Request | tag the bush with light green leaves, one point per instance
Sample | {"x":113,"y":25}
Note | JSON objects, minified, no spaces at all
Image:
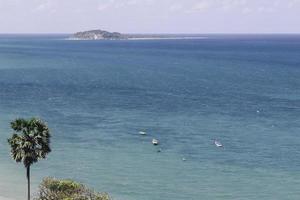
{"x":55,"y":189}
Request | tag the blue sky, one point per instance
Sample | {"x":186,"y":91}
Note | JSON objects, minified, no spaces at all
{"x":150,"y":16}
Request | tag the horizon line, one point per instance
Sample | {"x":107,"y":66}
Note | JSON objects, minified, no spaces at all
{"x":220,"y":33}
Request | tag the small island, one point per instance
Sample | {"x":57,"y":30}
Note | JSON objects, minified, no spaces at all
{"x":98,"y":35}
{"x":106,"y":35}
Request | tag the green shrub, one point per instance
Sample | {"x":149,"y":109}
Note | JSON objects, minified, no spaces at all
{"x":55,"y":189}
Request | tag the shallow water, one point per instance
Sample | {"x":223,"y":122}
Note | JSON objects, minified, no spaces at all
{"x":97,"y":95}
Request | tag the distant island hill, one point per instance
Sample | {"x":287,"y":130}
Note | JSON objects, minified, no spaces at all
{"x":106,"y":35}
{"x":98,"y":35}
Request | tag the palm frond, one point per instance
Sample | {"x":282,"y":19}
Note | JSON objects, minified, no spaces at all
{"x":30,"y":142}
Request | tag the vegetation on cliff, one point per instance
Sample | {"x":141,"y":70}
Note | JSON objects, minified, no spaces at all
{"x":55,"y":189}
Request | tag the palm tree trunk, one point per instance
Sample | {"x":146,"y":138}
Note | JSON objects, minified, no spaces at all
{"x":28,"y":181}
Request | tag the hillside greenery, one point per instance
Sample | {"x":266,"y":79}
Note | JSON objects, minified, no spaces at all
{"x":66,"y":189}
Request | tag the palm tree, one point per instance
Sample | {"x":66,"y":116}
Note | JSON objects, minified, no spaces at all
{"x":29,"y":143}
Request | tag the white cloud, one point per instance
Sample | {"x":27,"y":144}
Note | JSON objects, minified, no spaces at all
{"x":105,"y":4}
{"x":132,"y":2}
{"x":293,"y":3}
{"x":238,"y":6}
{"x":231,"y":4}
{"x":176,"y":7}
{"x":119,"y":4}
{"x":225,"y":5}
{"x":102,"y":6}
{"x":201,"y":6}
{"x":46,"y":5}
{"x":247,"y":10}
{"x":264,"y":9}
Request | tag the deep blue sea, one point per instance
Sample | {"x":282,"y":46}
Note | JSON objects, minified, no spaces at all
{"x":243,"y":90}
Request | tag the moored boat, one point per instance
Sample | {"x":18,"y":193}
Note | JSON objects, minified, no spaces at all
{"x":155,"y":142}
{"x":218,"y":143}
{"x":142,"y":133}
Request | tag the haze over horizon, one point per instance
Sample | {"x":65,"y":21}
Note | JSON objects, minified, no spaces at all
{"x":150,"y":16}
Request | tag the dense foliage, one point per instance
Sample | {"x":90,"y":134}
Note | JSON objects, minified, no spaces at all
{"x":55,"y":189}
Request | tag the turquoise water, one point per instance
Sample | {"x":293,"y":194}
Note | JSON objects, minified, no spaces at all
{"x":97,"y":95}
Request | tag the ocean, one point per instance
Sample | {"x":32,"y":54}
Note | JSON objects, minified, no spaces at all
{"x":243,"y":90}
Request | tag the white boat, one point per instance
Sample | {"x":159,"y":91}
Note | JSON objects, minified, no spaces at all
{"x":218,"y":144}
{"x":155,"y":142}
{"x":142,"y":133}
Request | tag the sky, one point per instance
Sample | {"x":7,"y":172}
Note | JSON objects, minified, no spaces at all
{"x":150,"y":16}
